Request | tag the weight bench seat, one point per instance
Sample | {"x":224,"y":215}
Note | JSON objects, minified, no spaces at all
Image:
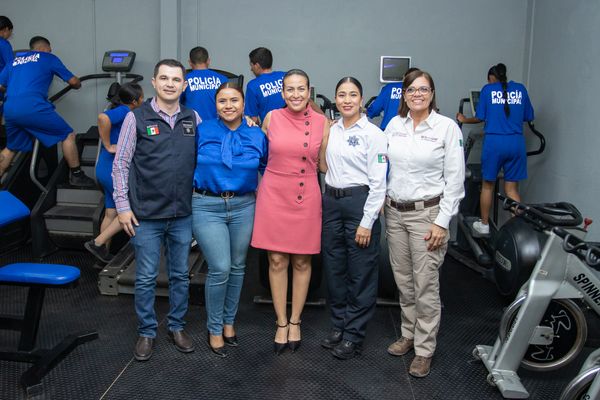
{"x":11,"y":209}
{"x":38,"y":277}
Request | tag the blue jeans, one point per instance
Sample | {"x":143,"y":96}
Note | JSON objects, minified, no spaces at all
{"x":176,"y":235}
{"x":223,"y":229}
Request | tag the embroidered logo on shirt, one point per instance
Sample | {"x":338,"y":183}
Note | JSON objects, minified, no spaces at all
{"x":429,"y":138}
{"x":460,"y":142}
{"x":152,"y":130}
{"x":188,"y":128}
{"x":382,"y":158}
{"x":353,"y":141}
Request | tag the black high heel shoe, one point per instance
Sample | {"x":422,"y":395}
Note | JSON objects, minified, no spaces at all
{"x":280,"y":347}
{"x":220,"y":351}
{"x":294,"y":344}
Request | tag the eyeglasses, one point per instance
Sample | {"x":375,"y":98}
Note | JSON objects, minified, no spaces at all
{"x":424,"y":90}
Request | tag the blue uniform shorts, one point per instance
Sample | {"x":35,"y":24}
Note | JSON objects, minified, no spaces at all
{"x":27,"y":119}
{"x":507,"y":152}
{"x":103,"y":175}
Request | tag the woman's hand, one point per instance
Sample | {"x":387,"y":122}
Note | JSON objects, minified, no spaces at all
{"x":112,"y":149}
{"x":435,"y":237}
{"x":363,"y":237}
{"x":460,"y":118}
{"x":249,"y":121}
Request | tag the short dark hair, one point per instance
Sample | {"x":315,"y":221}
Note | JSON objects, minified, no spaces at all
{"x":230,"y":85}
{"x":261,"y":56}
{"x":198,"y":55}
{"x":34,"y":41}
{"x":352,"y":80}
{"x":408,"y":80}
{"x":296,"y":71}
{"x":5,"y":22}
{"x":169,"y":62}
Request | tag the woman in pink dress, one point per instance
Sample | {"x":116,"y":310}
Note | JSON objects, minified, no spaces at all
{"x":288,"y":206}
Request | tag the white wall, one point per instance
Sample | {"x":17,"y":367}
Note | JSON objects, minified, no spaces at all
{"x":564,"y":86}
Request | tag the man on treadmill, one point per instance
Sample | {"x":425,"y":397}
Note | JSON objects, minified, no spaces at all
{"x":27,"y":112}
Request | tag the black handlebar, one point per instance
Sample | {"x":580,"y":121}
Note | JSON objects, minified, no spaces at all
{"x":585,"y":251}
{"x":544,"y":215}
{"x":541,"y":137}
{"x":134,"y":79}
{"x":371,"y":100}
{"x":461,"y":109}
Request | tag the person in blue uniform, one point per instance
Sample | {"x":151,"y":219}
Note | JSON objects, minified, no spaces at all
{"x":6,"y":51}
{"x":503,"y":106}
{"x":263,"y":93}
{"x":229,"y":156}
{"x":29,"y":115}
{"x":202,"y":85}
{"x":354,"y":158}
{"x":388,"y":101}
{"x":129,"y":97}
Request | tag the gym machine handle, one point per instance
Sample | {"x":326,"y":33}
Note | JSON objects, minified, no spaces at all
{"x":134,"y":79}
{"x":542,"y":139}
{"x":327,"y":106}
{"x":545,"y":215}
{"x":461,"y":109}
{"x":586,"y":251}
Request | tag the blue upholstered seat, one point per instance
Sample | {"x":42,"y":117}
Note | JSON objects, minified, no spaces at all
{"x":11,"y":208}
{"x":39,"y":274}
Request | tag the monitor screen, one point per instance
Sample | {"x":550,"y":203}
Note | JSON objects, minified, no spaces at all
{"x":393,"y":68}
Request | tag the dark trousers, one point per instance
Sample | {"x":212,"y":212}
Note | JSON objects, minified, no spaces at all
{"x":351,"y":271}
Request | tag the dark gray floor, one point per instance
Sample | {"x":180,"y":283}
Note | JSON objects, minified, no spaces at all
{"x":105,"y":368}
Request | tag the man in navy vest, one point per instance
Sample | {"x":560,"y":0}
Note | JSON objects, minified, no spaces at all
{"x":153,"y":179}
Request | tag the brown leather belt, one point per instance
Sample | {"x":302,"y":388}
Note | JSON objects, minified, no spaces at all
{"x":415,"y":205}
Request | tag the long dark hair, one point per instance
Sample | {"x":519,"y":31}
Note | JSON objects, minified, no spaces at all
{"x":408,"y":80}
{"x":498,"y":71}
{"x":125,"y":94}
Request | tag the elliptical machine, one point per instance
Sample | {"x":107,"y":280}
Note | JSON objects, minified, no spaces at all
{"x":508,"y":254}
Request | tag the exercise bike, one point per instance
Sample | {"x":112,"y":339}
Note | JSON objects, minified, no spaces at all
{"x":586,"y":385}
{"x":544,"y":329}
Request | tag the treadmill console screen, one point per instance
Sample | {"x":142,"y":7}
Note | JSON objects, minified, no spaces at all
{"x":118,"y":61}
{"x":393,"y":68}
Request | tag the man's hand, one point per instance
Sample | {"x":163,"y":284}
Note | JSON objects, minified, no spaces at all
{"x":127,"y":221}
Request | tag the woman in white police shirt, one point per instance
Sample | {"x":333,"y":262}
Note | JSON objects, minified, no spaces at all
{"x":425,"y":186}
{"x":356,"y":165}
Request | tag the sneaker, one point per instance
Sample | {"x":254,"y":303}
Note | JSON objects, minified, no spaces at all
{"x":481,"y":228}
{"x":401,"y":346}
{"x":81,"y":180}
{"x":100,"y":252}
{"x":420,"y":366}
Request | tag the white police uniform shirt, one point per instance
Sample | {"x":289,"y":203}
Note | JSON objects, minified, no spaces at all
{"x":357,"y":156}
{"x":426,"y":162}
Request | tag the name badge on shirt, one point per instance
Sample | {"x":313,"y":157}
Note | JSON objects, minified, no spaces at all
{"x":152,"y":130}
{"x":188,"y":128}
{"x":429,"y":138}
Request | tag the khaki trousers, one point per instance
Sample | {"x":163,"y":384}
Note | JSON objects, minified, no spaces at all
{"x":416,"y":272}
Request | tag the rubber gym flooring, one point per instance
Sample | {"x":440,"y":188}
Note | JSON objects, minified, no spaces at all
{"x":106,"y":369}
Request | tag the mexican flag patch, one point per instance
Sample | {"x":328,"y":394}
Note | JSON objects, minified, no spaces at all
{"x":382,"y":158}
{"x":152,"y":130}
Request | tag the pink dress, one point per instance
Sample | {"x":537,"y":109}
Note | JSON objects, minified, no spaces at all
{"x":288,"y":203}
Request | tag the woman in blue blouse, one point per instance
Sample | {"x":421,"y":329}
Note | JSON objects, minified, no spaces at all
{"x":230,"y":154}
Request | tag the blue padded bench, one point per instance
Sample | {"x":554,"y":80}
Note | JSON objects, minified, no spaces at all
{"x":37,"y":277}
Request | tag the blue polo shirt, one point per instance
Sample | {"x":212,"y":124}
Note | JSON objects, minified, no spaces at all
{"x":31,"y":74}
{"x":263,"y":94}
{"x":6,"y":57}
{"x":202,"y":85}
{"x":491,"y":108}
{"x":229,"y":160}
{"x":387,"y":101}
